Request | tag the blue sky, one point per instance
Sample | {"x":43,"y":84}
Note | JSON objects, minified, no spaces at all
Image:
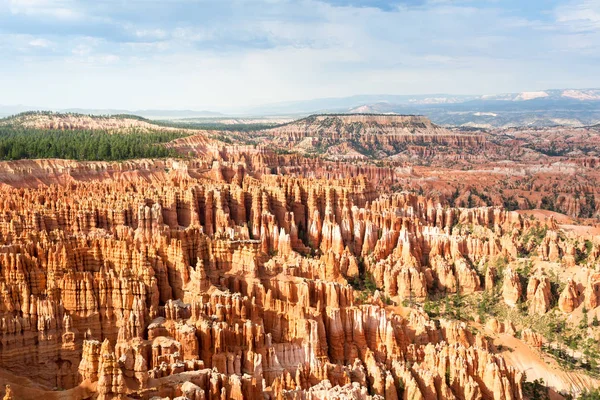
{"x":222,"y":54}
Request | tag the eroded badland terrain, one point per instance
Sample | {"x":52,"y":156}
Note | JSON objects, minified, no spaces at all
{"x":335,"y":257}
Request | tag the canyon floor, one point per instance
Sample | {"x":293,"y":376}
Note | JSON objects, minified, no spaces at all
{"x":336,"y":257}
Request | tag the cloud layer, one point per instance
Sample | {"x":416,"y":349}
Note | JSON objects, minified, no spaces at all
{"x":222,"y":54}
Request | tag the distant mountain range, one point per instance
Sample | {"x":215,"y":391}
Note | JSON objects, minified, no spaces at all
{"x":6,"y":111}
{"x":573,"y":107}
{"x":570,"y":107}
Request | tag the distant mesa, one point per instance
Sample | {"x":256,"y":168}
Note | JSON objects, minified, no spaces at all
{"x":363,"y":123}
{"x":363,"y":135}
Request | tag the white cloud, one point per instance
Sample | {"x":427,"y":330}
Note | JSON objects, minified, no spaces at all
{"x":40,"y":42}
{"x":81,"y":50}
{"x":286,"y":50}
{"x":59,"y":9}
{"x":581,"y":14}
{"x":577,"y":29}
{"x":153,"y":34}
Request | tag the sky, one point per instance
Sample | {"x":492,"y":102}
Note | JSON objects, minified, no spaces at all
{"x":223,"y":54}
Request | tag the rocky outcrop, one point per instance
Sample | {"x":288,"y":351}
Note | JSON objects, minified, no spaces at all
{"x":497,"y":326}
{"x":532,"y":338}
{"x":539,"y":294}
{"x":569,"y":298}
{"x":592,"y":292}
{"x":511,"y":287}
{"x":8,"y":394}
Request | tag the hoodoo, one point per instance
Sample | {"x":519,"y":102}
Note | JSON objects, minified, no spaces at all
{"x":249,"y":271}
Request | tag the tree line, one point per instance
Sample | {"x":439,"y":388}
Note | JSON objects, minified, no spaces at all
{"x":83,"y":145}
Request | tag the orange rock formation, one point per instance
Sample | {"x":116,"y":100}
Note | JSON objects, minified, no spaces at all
{"x":238,"y":286}
{"x":248,"y":274}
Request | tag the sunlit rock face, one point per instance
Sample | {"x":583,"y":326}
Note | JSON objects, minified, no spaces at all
{"x":247,"y":274}
{"x":235,"y":284}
